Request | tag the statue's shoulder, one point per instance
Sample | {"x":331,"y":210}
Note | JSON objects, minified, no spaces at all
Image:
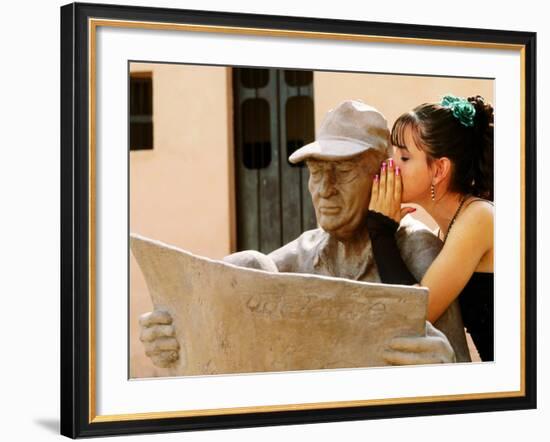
{"x":298,"y":255}
{"x":308,"y":241}
{"x":311,"y":239}
{"x":412,"y":230}
{"x":418,"y":245}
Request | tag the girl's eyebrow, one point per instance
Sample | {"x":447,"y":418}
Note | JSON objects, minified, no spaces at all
{"x":403,"y":147}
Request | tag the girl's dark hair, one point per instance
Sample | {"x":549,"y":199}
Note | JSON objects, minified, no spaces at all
{"x":439,"y":133}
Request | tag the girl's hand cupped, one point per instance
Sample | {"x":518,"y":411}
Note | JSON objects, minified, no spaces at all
{"x":386,"y":192}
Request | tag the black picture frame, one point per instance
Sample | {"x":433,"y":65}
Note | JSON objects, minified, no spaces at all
{"x":77,"y":406}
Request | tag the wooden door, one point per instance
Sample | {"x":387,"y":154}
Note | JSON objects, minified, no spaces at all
{"x":273,"y":117}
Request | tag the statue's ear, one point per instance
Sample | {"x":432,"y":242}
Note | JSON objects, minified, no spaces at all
{"x":441,"y":169}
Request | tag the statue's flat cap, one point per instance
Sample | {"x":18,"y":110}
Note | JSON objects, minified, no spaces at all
{"x":349,"y":129}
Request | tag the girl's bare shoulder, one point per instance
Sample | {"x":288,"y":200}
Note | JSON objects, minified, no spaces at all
{"x":479,"y":207}
{"x":477,"y":213}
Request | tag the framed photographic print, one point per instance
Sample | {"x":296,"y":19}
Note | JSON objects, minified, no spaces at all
{"x":218,"y":266}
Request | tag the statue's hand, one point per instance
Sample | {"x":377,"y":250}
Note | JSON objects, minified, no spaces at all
{"x":434,"y":348}
{"x":158,"y":337}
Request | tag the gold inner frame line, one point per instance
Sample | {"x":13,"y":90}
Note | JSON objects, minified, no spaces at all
{"x":93,"y":24}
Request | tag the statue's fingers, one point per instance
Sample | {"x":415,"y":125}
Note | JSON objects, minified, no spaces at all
{"x":160,"y":345}
{"x":155,"y":317}
{"x":417,"y":344}
{"x":150,"y":349}
{"x":395,"y":357}
{"x":158,"y":331}
{"x":164,"y":344}
{"x":165,"y":359}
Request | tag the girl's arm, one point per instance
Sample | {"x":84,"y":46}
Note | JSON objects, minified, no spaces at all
{"x":469,"y":240}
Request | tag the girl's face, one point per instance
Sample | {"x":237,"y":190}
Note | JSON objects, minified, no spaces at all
{"x":415,"y":172}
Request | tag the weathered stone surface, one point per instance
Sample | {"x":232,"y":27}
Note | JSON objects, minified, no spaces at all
{"x":237,"y":320}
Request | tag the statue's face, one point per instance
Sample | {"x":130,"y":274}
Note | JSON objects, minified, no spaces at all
{"x":340,"y":191}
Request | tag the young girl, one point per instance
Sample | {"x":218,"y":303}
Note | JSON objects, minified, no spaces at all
{"x":443,"y":161}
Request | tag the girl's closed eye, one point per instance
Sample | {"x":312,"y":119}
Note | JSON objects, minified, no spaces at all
{"x":404,"y":158}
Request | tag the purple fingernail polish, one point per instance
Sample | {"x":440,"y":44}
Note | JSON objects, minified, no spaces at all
{"x":391,"y":163}
{"x":376,"y":177}
{"x":397,"y":171}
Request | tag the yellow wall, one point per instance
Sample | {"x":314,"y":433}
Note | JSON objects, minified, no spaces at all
{"x":181,"y":191}
{"x":390,"y":94}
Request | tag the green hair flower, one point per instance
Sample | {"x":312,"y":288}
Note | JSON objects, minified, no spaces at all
{"x":462,"y":109}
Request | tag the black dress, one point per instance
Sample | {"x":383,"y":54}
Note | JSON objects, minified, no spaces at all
{"x":477,"y":307}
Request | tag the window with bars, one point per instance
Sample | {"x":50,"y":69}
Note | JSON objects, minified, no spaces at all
{"x":274,"y":116}
{"x":256,"y":133}
{"x":141,"y":110}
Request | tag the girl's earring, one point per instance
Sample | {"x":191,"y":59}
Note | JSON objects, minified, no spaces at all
{"x":432,"y":190}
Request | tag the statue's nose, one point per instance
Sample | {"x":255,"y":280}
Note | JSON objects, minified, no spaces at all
{"x":326,"y":187}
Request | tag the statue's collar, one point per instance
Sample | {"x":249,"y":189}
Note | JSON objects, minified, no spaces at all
{"x":331,"y":254}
